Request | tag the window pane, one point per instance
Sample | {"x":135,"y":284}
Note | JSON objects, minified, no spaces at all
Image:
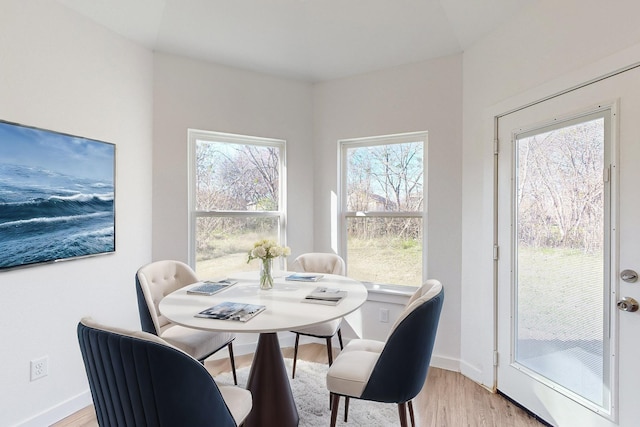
{"x":385,"y":178}
{"x":222,"y":244}
{"x":237,"y":177}
{"x":385,"y":250}
{"x":561,"y":327}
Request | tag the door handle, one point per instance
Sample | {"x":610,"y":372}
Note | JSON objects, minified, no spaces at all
{"x":627,"y":304}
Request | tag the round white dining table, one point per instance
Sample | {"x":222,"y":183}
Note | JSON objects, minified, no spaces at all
{"x":273,"y":401}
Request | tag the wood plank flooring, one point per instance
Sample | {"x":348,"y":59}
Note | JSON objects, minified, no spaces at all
{"x":448,"y":399}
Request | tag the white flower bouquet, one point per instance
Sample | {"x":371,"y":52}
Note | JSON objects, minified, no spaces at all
{"x":267,"y":250}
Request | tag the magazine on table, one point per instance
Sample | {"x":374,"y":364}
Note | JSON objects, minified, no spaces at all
{"x":304,"y":277}
{"x":327,"y":296}
{"x":232,"y":311}
{"x":210,"y":287}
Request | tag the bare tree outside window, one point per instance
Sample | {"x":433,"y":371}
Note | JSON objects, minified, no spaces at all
{"x":560,"y":231}
{"x":560,"y":189}
{"x":384,"y":207}
{"x":236,"y":187}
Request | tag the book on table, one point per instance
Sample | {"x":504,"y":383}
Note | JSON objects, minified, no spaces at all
{"x":210,"y":287}
{"x":304,"y":277}
{"x":324,"y":295}
{"x":232,"y":311}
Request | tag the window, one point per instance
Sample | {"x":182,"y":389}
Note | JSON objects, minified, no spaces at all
{"x":236,"y":197}
{"x":383,"y":203}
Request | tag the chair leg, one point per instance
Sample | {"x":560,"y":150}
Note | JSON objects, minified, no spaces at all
{"x":330,"y":356}
{"x":346,"y":408}
{"x":402,"y":411}
{"x":295,"y":356}
{"x":233,"y":363}
{"x":411,"y":416}
{"x":329,"y":351}
{"x":334,"y":408}
{"x":341,"y":348}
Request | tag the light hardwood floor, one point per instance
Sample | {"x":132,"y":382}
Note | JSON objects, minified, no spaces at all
{"x":448,"y":399}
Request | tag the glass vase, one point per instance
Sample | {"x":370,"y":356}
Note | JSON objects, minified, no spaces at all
{"x":266,"y":274}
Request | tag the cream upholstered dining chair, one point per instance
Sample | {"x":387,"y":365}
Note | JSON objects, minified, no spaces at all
{"x":393,"y":371}
{"x":155,"y":281}
{"x":323,"y":263}
{"x":138,"y":379}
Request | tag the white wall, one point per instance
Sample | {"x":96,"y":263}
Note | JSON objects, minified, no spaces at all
{"x":550,"y":47}
{"x":60,"y":72}
{"x":426,"y":96}
{"x":199,"y":95}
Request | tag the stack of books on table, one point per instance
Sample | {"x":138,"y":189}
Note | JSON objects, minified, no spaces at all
{"x":232,"y":311}
{"x":326,"y":296}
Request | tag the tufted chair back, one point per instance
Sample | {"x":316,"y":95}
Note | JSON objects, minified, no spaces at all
{"x":155,"y":281}
{"x":314,"y":262}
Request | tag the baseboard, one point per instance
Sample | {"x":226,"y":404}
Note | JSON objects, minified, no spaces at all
{"x":446,"y":363}
{"x":287,"y":340}
{"x":474,"y":374}
{"x":240,"y":348}
{"x":60,"y":411}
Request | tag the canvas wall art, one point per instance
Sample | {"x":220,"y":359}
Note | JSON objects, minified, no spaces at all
{"x":57,"y":195}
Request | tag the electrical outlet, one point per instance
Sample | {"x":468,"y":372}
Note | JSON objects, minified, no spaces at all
{"x":384,"y":315}
{"x":39,"y":368}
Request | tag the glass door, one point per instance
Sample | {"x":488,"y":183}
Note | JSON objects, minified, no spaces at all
{"x":561,"y":246}
{"x":568,"y":227}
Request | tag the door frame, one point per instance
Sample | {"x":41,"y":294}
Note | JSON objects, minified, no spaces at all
{"x":513,"y":106}
{"x":611,"y":251}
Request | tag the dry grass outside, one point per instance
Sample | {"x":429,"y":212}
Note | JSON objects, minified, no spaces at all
{"x":382,"y":260}
{"x":560,"y":294}
{"x":228,"y":255}
{"x":385,"y":260}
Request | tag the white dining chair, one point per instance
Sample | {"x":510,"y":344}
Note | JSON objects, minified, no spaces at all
{"x":323,"y":263}
{"x":155,"y":281}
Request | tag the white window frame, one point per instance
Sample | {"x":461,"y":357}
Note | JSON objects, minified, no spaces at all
{"x":195,"y":135}
{"x":344,"y":214}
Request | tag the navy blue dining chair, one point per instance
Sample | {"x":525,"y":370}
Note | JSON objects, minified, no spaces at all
{"x":138,"y":379}
{"x":393,"y":371}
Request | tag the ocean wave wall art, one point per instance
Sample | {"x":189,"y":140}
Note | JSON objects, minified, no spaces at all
{"x":56,"y":196}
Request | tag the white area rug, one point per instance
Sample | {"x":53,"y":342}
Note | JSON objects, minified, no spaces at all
{"x":312,"y":399}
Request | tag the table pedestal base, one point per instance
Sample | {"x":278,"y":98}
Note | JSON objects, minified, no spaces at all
{"x":273,"y":403}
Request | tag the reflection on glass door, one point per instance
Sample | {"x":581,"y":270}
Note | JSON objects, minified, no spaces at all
{"x":560,"y":269}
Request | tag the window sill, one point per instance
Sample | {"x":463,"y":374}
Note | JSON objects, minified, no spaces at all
{"x":398,"y":294}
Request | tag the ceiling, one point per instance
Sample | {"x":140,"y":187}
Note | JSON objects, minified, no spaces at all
{"x":311,"y":40}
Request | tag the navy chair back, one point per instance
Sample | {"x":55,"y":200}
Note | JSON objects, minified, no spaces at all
{"x":401,"y":370}
{"x":136,"y":381}
{"x":146,"y":321}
